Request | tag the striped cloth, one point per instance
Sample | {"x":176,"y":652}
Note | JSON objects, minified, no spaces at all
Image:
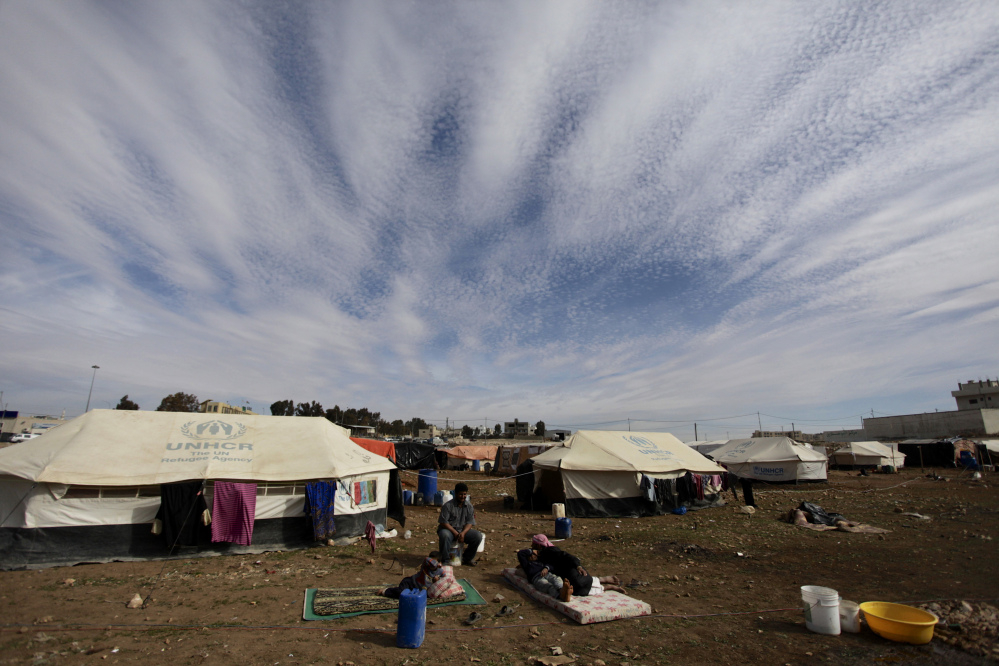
{"x":233,"y":510}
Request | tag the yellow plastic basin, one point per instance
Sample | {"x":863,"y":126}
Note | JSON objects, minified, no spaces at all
{"x":898,"y":622}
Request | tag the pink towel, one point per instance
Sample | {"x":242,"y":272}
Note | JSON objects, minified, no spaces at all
{"x":233,"y":511}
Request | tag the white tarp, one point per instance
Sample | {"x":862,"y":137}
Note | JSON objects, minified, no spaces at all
{"x":772,"y":459}
{"x":867,"y":453}
{"x":131,"y":448}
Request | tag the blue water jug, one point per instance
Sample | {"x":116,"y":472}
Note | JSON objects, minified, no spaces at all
{"x":412,"y":619}
{"x":418,"y":499}
{"x":407,"y":497}
{"x":439,"y":498}
{"x":563,"y":528}
{"x":427,"y":483}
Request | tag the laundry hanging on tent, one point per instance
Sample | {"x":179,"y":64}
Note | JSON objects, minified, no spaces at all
{"x":319,"y":496}
{"x":181,"y":507}
{"x":234,"y":506}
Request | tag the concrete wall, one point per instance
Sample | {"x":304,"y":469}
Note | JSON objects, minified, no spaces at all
{"x":936,"y":424}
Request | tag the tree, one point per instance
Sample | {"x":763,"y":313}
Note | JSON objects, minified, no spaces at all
{"x":283,"y":408}
{"x":334,"y":415}
{"x":310,"y":409}
{"x":539,"y":428}
{"x":466,"y":431}
{"x":179,"y":402}
{"x":498,"y":429}
{"x":125,"y":403}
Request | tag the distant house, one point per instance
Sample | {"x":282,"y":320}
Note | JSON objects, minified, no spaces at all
{"x":977,"y":395}
{"x":214,"y":407}
{"x":517,"y":428}
{"x":429,"y":432}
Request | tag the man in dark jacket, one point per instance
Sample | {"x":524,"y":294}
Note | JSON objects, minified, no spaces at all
{"x":454,"y":526}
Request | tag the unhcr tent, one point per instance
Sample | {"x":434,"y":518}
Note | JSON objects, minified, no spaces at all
{"x":867,"y":454}
{"x":705,"y":448}
{"x":88,"y":491}
{"x":773,"y":459}
{"x":600,"y":473}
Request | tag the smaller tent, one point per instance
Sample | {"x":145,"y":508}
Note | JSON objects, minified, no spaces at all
{"x":458,"y":456}
{"x":509,"y":457}
{"x":415,"y":455}
{"x":935,"y":452}
{"x":774,"y":459}
{"x":377,"y":446}
{"x":867,"y":454}
{"x":612,"y":473}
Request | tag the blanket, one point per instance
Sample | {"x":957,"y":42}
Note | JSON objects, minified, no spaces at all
{"x":584,"y":610}
{"x":332,"y":603}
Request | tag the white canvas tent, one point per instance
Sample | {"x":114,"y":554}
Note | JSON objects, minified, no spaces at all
{"x":867,"y":454}
{"x":89,"y":490}
{"x":600,"y":472}
{"x":774,"y":459}
{"x":705,"y":448}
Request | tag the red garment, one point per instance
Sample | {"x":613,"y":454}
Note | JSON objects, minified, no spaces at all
{"x":233,"y":510}
{"x":369,"y":533}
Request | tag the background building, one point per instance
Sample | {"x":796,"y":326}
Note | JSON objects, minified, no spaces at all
{"x":213,"y":407}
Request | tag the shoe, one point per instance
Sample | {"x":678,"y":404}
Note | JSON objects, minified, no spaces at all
{"x":473,"y":618}
{"x":469,"y":564}
{"x":506,"y":610}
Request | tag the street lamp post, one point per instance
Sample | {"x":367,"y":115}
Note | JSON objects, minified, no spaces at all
{"x":96,"y":368}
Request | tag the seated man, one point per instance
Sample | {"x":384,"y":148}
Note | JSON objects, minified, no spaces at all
{"x":455,"y":526}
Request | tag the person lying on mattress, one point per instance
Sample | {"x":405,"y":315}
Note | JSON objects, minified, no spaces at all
{"x":541,"y":576}
{"x":568,"y":567}
{"x":430,"y":572}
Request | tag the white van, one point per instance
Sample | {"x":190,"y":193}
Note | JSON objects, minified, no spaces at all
{"x":23,"y":437}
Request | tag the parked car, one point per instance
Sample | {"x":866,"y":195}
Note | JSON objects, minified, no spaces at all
{"x":23,"y":437}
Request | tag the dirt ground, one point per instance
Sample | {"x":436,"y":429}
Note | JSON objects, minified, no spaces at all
{"x":724,"y":587}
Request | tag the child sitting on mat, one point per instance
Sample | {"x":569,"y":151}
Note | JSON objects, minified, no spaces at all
{"x":430,"y":572}
{"x":541,"y":576}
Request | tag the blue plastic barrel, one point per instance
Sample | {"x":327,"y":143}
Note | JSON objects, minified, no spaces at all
{"x":427,"y":483}
{"x":476,"y":465}
{"x":563,"y":528}
{"x":439,"y":498}
{"x":412,"y":619}
{"x":407,"y":497}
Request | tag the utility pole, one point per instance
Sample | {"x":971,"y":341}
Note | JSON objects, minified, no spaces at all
{"x":759,"y":422}
{"x":96,"y":368}
{"x":695,"y":431}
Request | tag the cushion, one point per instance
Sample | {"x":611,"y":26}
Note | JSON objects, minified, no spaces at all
{"x":584,"y":610}
{"x":445,"y":586}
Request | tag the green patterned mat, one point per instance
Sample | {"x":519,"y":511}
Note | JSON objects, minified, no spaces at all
{"x":332,"y":603}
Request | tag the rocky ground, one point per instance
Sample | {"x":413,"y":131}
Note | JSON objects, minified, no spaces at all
{"x":725,"y":587}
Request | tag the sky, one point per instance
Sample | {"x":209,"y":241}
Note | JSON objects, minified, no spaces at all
{"x":601,"y":215}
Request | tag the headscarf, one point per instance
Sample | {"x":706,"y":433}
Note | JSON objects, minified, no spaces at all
{"x":428,"y":570}
{"x":541,"y":541}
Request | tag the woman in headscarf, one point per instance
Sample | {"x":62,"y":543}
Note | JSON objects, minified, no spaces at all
{"x":430,"y":571}
{"x":570,"y":569}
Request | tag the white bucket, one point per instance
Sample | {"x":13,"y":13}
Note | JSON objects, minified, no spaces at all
{"x":821,"y":609}
{"x":558,"y":510}
{"x":482,"y":545}
{"x":849,"y":616}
